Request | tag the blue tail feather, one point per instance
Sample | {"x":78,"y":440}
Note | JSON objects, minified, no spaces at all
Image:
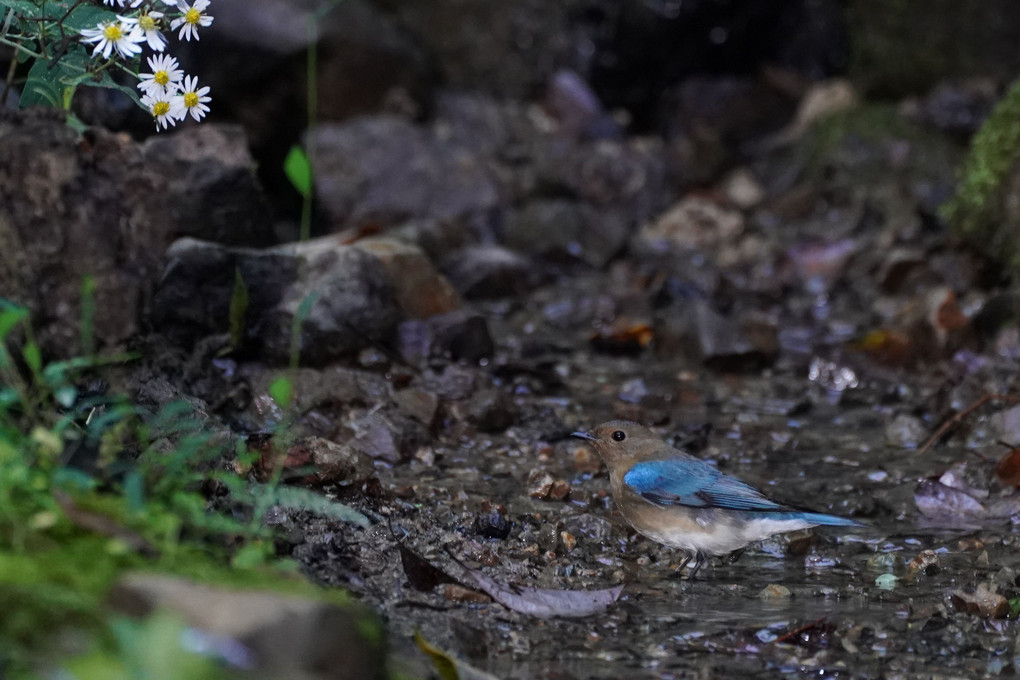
{"x":819,"y":518}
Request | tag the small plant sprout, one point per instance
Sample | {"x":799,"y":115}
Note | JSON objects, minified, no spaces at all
{"x":86,"y":42}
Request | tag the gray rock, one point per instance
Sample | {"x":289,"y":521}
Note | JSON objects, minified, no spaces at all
{"x":490,"y":271}
{"x":391,"y":437}
{"x":211,"y":166}
{"x":364,"y":62}
{"x":385,"y":170}
{"x":558,"y":229}
{"x":285,"y":635}
{"x":352,"y":304}
{"x":906,"y":431}
{"x":490,"y":410}
{"x":461,"y":335}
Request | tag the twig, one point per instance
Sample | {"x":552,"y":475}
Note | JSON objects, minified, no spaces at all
{"x":797,"y":631}
{"x":960,"y":415}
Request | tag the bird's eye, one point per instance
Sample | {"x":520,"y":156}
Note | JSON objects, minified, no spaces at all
{"x":619,"y":435}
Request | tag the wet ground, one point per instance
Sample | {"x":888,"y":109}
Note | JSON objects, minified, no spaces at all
{"x":872,"y":602}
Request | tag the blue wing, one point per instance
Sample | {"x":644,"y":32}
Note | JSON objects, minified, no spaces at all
{"x":694,"y":483}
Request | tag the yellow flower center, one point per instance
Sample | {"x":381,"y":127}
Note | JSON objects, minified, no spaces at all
{"x":192,"y":16}
{"x":147,"y":23}
{"x":190,"y":99}
{"x":160,"y":109}
{"x":161,"y":77}
{"x":113,"y":32}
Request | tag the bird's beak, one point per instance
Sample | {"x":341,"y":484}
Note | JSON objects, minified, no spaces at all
{"x":584,"y":435}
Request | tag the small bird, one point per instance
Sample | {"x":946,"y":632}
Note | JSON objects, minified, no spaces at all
{"x":684,"y":502}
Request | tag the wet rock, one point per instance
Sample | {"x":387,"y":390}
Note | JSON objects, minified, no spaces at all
{"x":925,"y":562}
{"x":212,"y":166}
{"x":417,"y":403}
{"x":775,"y":591}
{"x":1007,"y":424}
{"x":455,"y":382}
{"x":695,"y":223}
{"x":544,"y":486}
{"x":906,"y":431}
{"x":958,"y":108}
{"x":576,"y":107}
{"x":462,"y":335}
{"x":490,"y":271}
{"x":626,"y":178}
{"x":721,"y":343}
{"x":742,"y":189}
{"x":935,"y":499}
{"x":983,"y":602}
{"x":288,"y":636}
{"x":493,"y":525}
{"x":592,"y":527}
{"x":559,"y":229}
{"x":586,"y":460}
{"x":333,"y":463}
{"x":385,"y":171}
{"x":820,"y":264}
{"x":490,"y":410}
{"x":387,"y":436}
{"x":421,"y":291}
{"x":352,"y":303}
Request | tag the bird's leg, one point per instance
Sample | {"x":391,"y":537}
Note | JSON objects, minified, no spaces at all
{"x":734,"y":556}
{"x":699,"y":562}
{"x":683,"y":563}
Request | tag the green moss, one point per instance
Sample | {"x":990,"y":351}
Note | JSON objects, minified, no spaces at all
{"x":857,"y":141}
{"x":976,"y":211}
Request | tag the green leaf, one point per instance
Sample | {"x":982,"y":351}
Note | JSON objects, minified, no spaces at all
{"x":11,"y":317}
{"x":46,"y":86}
{"x":238,"y":309}
{"x":297,"y":498}
{"x":298,"y":169}
{"x":66,"y":395}
{"x":282,"y":391}
{"x":23,"y":8}
{"x":85,"y":16}
{"x":33,"y":357}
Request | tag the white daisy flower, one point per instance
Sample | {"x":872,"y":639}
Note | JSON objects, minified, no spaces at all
{"x":192,"y":99}
{"x":111,"y":3}
{"x":165,"y":77}
{"x":160,"y":107}
{"x":113,"y":35}
{"x":146,"y":26}
{"x":192,"y":19}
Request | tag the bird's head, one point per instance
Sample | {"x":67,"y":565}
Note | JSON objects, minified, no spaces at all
{"x":623,"y":441}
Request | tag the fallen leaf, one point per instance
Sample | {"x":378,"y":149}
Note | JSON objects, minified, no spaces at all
{"x":983,"y":601}
{"x":421,"y":574}
{"x":541,"y":602}
{"x":1008,"y":469}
